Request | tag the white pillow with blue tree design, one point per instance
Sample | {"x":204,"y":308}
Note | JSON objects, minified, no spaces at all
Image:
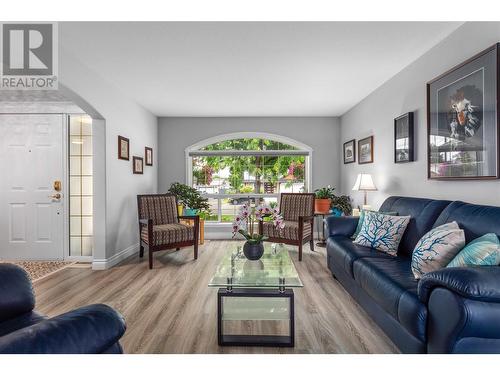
{"x":437,"y":248}
{"x":382,"y":232}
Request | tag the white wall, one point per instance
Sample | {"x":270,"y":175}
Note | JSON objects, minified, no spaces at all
{"x":406,"y":92}
{"x":320,"y":133}
{"x":122,"y":117}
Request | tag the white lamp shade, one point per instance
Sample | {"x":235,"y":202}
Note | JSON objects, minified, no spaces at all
{"x":364,"y":182}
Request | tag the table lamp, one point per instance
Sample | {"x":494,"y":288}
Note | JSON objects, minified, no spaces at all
{"x":364,"y":182}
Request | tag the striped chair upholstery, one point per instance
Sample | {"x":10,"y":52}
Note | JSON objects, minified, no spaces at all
{"x":162,"y":209}
{"x":294,"y":208}
{"x":289,"y":232}
{"x":159,"y":226}
{"x":165,"y":234}
{"x":295,"y":205}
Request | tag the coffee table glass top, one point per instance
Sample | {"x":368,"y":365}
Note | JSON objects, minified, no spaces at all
{"x":275,"y":269}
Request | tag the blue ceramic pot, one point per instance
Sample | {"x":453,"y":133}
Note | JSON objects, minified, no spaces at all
{"x":190,"y":212}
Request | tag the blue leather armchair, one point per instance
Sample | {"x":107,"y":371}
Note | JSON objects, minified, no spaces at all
{"x":91,"y":329}
{"x":453,"y":310}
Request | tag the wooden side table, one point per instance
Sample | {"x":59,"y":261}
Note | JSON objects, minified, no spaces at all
{"x":202,"y":228}
{"x":322,"y":241}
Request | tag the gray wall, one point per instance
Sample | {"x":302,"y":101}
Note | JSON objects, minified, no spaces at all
{"x":122,"y":117}
{"x":320,"y":133}
{"x":407,"y":92}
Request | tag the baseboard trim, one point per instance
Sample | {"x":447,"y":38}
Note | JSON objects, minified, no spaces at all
{"x":103,"y":264}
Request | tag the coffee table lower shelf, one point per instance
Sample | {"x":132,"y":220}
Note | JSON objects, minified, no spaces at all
{"x":264,"y":303}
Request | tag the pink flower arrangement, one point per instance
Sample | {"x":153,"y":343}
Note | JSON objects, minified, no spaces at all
{"x":244,"y":222}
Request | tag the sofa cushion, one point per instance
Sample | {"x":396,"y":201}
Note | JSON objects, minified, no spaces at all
{"x":437,"y":248}
{"x":474,"y":219}
{"x":168,"y":234}
{"x":483,"y":251}
{"x":382,"y":232}
{"x":390,"y":282}
{"x":423,"y":212}
{"x":343,"y":252}
{"x":289,"y":232}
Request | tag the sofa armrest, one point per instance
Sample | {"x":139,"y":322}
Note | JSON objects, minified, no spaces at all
{"x":91,"y":329}
{"x":480,"y":283}
{"x":16,"y":292}
{"x":463,"y":305}
{"x":341,"y":225}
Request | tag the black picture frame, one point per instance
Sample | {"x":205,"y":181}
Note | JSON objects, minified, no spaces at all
{"x":348,"y":159}
{"x":148,"y":156}
{"x":365,"y":150}
{"x":463,"y":139}
{"x":404,"y":139}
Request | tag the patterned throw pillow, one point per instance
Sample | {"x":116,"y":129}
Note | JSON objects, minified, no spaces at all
{"x":483,"y":251}
{"x":437,"y":248}
{"x":362,"y":218}
{"x":382,"y":232}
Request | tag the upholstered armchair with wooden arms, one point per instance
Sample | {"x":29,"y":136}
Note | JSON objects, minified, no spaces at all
{"x":159,"y":227}
{"x":297,"y":210}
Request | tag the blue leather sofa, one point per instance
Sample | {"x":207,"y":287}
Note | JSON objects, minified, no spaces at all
{"x":91,"y":329}
{"x":452,"y":310}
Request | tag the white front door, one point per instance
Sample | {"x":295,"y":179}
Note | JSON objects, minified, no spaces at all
{"x":31,"y":212}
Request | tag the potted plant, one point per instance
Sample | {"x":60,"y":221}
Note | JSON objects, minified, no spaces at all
{"x":341,"y":205}
{"x":244,"y":224}
{"x":323,"y":199}
{"x":181,"y":192}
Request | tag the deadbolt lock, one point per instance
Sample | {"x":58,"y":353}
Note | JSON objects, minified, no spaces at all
{"x":57,"y":185}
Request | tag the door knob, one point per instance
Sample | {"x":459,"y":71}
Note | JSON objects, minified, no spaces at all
{"x":55,"y":196}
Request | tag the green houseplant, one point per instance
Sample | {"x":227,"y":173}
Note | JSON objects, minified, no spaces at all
{"x":341,"y":205}
{"x":190,"y":199}
{"x":323,"y":199}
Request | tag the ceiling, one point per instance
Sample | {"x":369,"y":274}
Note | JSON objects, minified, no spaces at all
{"x":249,"y":68}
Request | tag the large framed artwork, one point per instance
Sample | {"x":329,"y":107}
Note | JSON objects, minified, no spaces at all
{"x":365,"y":150}
{"x":463,"y":120}
{"x":403,"y":138}
{"x":350,"y":151}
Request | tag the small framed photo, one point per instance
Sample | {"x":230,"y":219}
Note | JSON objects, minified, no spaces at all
{"x":138,"y":165}
{"x":365,"y":150}
{"x":123,"y":148}
{"x":350,"y":151}
{"x":403,"y":138}
{"x":148,"y":155}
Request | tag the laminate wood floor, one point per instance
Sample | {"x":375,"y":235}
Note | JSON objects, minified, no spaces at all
{"x":170,"y":309}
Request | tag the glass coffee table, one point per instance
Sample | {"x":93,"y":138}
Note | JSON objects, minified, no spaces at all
{"x":255,"y":302}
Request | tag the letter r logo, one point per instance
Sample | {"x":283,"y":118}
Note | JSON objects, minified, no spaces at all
{"x":27,"y":49}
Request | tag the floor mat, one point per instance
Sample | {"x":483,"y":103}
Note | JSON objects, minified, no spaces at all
{"x":39,"y":269}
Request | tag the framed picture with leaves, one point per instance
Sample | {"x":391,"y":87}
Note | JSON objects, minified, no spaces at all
{"x":123,"y":148}
{"x":138,"y":165}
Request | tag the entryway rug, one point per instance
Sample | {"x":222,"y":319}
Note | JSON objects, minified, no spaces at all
{"x":37,"y":270}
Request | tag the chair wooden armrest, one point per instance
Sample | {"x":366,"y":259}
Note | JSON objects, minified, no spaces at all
{"x":306,"y":218}
{"x":146,"y":222}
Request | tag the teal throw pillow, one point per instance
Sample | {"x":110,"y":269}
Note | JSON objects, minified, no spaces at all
{"x":483,"y":251}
